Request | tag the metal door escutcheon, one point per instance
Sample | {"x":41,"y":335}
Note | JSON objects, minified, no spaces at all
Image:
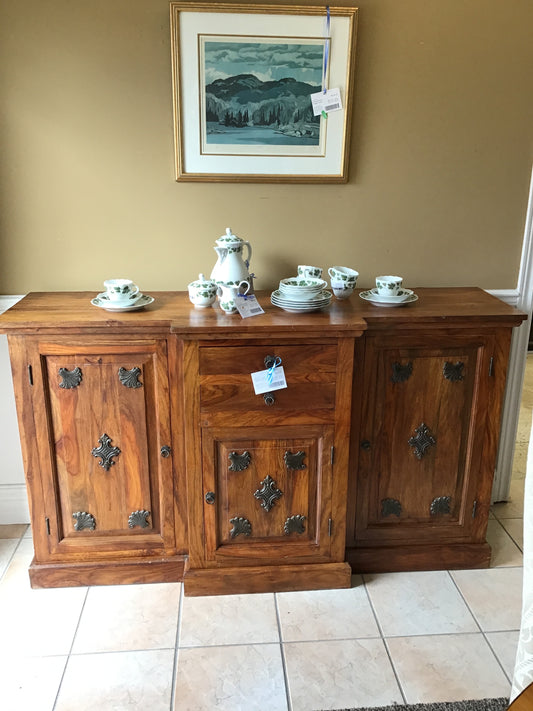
{"x":210,"y":497}
{"x":269,"y":398}
{"x":365,"y":444}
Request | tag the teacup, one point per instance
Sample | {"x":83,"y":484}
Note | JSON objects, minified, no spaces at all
{"x":227,"y":293}
{"x":202,"y":292}
{"x":342,"y":289}
{"x":388,"y":285}
{"x":304,"y":270}
{"x":343,"y":274}
{"x":121,"y":290}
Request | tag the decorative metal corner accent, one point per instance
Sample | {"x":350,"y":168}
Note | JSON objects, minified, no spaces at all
{"x":239,"y":462}
{"x":390,"y":507}
{"x":401,"y":373}
{"x":84,"y":520}
{"x":453,"y":371}
{"x":129,"y":378}
{"x":269,"y":493}
{"x":441,"y":505}
{"x":71,"y":378}
{"x":422,"y":441}
{"x":294,"y":524}
{"x":138,"y":518}
{"x":294,"y":460}
{"x":105,"y":452}
{"x":240,"y":525}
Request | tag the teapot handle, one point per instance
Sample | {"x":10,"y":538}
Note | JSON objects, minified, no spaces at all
{"x":248,"y":259}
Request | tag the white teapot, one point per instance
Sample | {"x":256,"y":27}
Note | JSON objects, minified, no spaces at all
{"x":231,"y":267}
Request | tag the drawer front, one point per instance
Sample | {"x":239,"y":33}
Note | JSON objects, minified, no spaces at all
{"x":298,"y":360}
{"x":226,"y":384}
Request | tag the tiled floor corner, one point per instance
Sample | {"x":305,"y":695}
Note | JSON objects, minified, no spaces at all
{"x":392,"y":638}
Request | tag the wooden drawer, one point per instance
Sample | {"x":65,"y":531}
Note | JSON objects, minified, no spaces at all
{"x":305,"y":361}
{"x":226,"y":383}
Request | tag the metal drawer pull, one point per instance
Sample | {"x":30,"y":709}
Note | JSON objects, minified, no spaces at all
{"x":269,"y":361}
{"x":269,"y":398}
{"x":210,"y":497}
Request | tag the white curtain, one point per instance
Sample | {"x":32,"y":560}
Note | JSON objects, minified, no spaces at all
{"x":523,"y":672}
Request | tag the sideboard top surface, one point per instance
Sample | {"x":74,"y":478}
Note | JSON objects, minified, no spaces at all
{"x":171,"y":311}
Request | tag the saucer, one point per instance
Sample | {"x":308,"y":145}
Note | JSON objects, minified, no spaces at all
{"x":379,"y":301}
{"x":103,"y":302}
{"x":402,"y":295}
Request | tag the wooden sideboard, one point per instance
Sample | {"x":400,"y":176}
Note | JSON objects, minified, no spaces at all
{"x":149,"y":457}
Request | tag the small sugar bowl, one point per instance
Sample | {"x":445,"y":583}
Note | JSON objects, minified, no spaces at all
{"x":202,"y":292}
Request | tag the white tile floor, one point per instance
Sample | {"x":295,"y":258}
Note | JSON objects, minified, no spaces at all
{"x":392,"y":638}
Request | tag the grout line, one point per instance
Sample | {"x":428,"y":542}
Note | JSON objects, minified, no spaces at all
{"x":483,"y":633}
{"x":176,"y":650}
{"x":384,"y":641}
{"x":283,"y":658}
{"x":70,"y":650}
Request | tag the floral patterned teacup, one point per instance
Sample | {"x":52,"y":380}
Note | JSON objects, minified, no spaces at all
{"x":388,"y":285}
{"x":121,"y":291}
{"x":342,"y":289}
{"x":203,"y":292}
{"x":343,"y":274}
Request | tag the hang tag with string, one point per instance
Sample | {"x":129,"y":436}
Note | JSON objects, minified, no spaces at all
{"x":327,"y":100}
{"x":265,"y":381}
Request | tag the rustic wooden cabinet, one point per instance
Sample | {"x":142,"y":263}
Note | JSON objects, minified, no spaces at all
{"x":430,"y":406}
{"x":149,"y":457}
{"x":272,"y":468}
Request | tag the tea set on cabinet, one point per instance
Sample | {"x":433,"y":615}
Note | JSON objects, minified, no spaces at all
{"x":231,"y":279}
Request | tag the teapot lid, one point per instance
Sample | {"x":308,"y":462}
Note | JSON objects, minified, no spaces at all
{"x":229,"y":238}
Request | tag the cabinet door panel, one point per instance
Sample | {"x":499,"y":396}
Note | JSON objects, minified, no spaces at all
{"x":108,"y":418}
{"x":420,"y":452}
{"x":272,"y":493}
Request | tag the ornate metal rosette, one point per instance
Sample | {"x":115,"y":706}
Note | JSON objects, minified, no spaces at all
{"x":105,"y":452}
{"x":138,"y":518}
{"x":239,"y":462}
{"x":70,"y":378}
{"x":268,"y":494}
{"x":294,"y":524}
{"x":390,"y":507}
{"x":83,"y":521}
{"x":401,"y":373}
{"x":453,"y":371}
{"x":240,"y":525}
{"x":129,"y":378}
{"x":441,"y":505}
{"x":294,"y":460}
{"x":422,"y":441}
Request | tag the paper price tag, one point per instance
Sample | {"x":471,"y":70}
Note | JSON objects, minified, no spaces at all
{"x":261,"y":383}
{"x":328,"y":102}
{"x":247,"y":305}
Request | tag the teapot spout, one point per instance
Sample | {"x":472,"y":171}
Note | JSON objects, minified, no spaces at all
{"x":222,"y":253}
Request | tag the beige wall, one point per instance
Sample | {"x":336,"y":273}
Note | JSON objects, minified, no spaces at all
{"x":441,"y":155}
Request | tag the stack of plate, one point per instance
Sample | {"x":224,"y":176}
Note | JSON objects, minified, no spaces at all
{"x":300,"y":295}
{"x":404,"y":296}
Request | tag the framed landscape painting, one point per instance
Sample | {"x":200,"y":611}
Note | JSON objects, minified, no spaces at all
{"x":243,"y":78}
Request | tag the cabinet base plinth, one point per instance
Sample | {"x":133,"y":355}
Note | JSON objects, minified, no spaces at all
{"x":400,"y":558}
{"x":109,"y":572}
{"x":261,"y":579}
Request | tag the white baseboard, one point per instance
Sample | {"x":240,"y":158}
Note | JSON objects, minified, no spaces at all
{"x":13,"y":504}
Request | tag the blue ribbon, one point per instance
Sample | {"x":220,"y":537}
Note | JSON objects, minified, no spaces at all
{"x":270,"y":373}
{"x":326,"y":50}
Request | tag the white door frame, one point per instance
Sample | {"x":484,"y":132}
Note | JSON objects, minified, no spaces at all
{"x":522,"y":298}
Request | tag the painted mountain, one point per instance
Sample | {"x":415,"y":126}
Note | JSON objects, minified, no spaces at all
{"x":245,"y":100}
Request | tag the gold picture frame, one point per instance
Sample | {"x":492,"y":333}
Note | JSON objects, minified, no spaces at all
{"x":242,"y":76}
